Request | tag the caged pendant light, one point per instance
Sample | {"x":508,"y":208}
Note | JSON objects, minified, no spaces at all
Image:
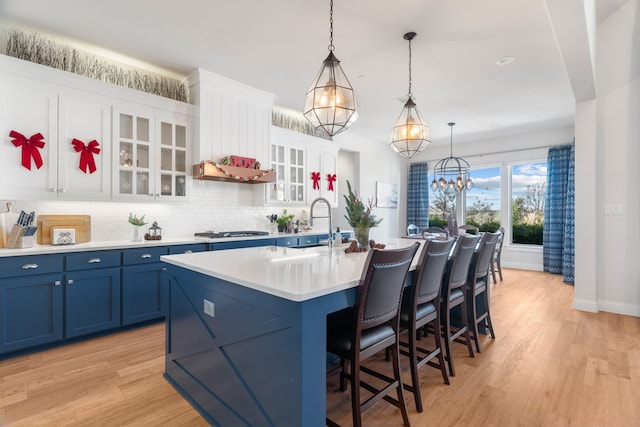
{"x":330,"y":103}
{"x":410,"y":134}
{"x":454,"y":172}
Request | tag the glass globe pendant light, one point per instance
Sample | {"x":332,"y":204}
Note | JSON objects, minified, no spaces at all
{"x":410,"y":134}
{"x":330,"y":103}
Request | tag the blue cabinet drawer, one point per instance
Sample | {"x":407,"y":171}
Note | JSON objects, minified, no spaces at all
{"x":91,"y":260}
{"x":143,"y":255}
{"x":219,"y":246}
{"x":307,"y":240}
{"x":185,"y":249}
{"x":30,"y":265}
{"x":287,"y":241}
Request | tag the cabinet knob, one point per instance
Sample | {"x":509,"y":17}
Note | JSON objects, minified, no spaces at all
{"x":70,"y":282}
{"x":56,"y":283}
{"x":94,"y":260}
{"x":145,"y":256}
{"x":29,"y":266}
{"x":164,"y":269}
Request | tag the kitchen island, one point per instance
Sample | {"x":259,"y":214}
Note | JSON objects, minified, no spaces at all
{"x":246,"y":330}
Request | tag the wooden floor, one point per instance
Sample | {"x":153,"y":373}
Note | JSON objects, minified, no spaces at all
{"x":549,"y":365}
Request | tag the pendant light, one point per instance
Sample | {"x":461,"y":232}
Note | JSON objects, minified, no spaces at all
{"x":452,"y":168}
{"x":330,"y":103}
{"x":410,"y":134}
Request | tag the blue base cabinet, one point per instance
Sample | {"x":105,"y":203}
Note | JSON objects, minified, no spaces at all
{"x":92,"y":301}
{"x":144,"y":293}
{"x":30,"y":311}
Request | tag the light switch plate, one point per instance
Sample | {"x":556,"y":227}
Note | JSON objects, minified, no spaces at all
{"x":613,"y":210}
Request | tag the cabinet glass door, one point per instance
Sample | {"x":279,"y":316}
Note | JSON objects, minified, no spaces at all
{"x":173,"y":159}
{"x":134,"y":159}
{"x":278,"y":164}
{"x":296,"y":175}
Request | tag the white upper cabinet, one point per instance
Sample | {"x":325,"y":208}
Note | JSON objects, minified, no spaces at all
{"x":151,"y":161}
{"x":322,"y":167}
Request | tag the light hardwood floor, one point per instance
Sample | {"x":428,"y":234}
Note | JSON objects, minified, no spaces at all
{"x":549,"y":365}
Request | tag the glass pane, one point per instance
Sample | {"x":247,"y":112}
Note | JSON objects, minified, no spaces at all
{"x":142,"y":159}
{"x":300,"y":192}
{"x":181,"y":136}
{"x":442,"y":204}
{"x":143,"y":129}
{"x":165,"y":184}
{"x":126,"y":126}
{"x":300,"y":175}
{"x":166,"y":159}
{"x":280,"y":155}
{"x":142,"y":183}
{"x":126,"y":179}
{"x":181,"y":185}
{"x":483,"y":200}
{"x":292,"y":156}
{"x":280,"y":173}
{"x":166,"y":133}
{"x":300,"y":157}
{"x":126,"y":154}
{"x":528,"y":190}
{"x":293,"y":176}
{"x":181,"y":161}
{"x":292,"y":191}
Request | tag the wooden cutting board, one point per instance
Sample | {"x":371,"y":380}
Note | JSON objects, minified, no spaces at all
{"x":81,"y":223}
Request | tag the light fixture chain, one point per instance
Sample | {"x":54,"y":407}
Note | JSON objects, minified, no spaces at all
{"x":410,"y":94}
{"x":331,"y":47}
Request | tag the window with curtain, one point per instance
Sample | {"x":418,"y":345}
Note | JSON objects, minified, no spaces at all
{"x":528,"y":189}
{"x":482,"y":205}
{"x":559,"y":225}
{"x":418,"y":195}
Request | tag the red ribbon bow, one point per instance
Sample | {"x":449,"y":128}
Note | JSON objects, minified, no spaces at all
{"x":315,"y":176}
{"x":331,"y":178}
{"x":86,"y":154}
{"x":29,"y":148}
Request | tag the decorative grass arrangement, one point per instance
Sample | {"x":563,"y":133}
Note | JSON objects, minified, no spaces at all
{"x":300,"y":125}
{"x":34,"y":48}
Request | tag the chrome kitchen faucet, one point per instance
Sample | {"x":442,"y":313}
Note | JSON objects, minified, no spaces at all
{"x":311,"y":217}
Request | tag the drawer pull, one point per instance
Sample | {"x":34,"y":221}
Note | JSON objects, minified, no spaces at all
{"x":188,"y":251}
{"x":29,"y":266}
{"x":145,"y":256}
{"x":94,"y":260}
{"x":164,"y":269}
{"x":70,"y":282}
{"x":56,"y":283}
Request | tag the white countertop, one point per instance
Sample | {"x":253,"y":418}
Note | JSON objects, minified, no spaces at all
{"x":297,"y":274}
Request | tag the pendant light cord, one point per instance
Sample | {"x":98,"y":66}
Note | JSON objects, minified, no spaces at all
{"x":410,"y":94}
{"x":331,"y":46}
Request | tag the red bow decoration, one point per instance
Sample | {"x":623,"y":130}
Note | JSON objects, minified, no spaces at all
{"x":331,"y":178}
{"x":86,"y":154}
{"x":315,"y":176}
{"x":29,"y":148}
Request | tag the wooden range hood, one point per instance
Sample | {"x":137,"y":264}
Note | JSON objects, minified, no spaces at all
{"x":212,"y":171}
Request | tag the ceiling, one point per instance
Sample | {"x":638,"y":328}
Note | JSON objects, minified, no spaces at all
{"x":278,"y":46}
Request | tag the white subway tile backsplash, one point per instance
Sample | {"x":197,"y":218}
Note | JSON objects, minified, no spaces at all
{"x":219,"y":206}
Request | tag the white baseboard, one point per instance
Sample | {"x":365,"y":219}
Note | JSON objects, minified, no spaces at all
{"x":585,"y":305}
{"x":619,"y":308}
{"x":522,"y":266}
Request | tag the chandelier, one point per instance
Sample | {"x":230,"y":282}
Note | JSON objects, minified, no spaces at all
{"x":410,"y":134}
{"x":454,"y":172}
{"x":330,"y":103}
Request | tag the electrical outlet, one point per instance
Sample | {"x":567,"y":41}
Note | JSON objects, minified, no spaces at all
{"x":613,"y":210}
{"x":209,"y":308}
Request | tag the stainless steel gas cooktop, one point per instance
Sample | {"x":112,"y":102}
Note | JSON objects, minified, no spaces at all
{"x":222,"y":234}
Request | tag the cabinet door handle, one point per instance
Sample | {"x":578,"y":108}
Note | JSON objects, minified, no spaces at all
{"x":29,"y":266}
{"x":70,"y":282}
{"x":56,"y":283}
{"x":94,"y":260}
{"x":145,"y":256}
{"x":61,"y":190}
{"x":164,"y":269}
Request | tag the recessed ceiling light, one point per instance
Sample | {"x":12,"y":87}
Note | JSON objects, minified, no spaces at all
{"x":505,"y":60}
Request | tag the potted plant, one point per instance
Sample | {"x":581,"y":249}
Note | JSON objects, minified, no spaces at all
{"x":360,"y":216}
{"x":283,"y":220}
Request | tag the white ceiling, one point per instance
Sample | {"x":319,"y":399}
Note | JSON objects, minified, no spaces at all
{"x":278,"y":46}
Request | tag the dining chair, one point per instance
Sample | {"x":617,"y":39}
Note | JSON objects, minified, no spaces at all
{"x":420,"y":308}
{"x":453,"y":296}
{"x":467,"y":228}
{"x":371,"y":326}
{"x":497,"y":254}
{"x":435,"y":230}
{"x":478,"y":285}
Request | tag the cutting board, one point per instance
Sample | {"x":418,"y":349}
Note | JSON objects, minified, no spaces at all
{"x":81,"y":223}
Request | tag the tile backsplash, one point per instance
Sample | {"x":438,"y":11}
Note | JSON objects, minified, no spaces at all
{"x":218,"y":206}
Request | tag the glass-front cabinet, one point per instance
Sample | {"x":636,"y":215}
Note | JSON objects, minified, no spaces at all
{"x":289,"y":163}
{"x":152,"y":155}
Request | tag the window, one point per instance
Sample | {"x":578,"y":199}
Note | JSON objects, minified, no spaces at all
{"x":441,"y":205}
{"x":528,"y":187}
{"x":483,"y":200}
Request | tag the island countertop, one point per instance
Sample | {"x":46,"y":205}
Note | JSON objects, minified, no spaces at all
{"x":297,"y":274}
